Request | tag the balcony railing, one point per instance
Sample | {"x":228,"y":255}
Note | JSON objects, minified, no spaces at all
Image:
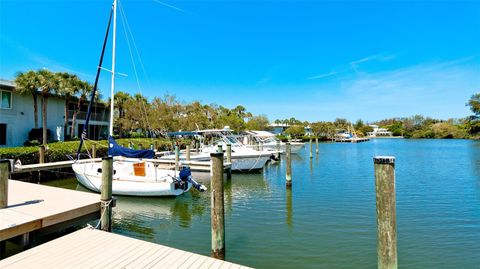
{"x":99,"y":116}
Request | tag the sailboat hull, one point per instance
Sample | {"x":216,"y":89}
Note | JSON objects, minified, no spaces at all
{"x":148,"y":182}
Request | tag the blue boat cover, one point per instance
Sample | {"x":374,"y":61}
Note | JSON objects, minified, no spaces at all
{"x":116,"y":150}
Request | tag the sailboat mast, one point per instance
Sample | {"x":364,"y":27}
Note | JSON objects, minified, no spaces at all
{"x":113,"y":66}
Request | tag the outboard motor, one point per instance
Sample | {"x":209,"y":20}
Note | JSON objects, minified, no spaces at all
{"x":186,"y":176}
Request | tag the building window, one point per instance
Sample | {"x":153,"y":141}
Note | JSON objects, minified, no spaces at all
{"x":3,"y":134}
{"x":5,"y":99}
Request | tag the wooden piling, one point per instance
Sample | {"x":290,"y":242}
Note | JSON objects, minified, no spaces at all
{"x":261,"y":146}
{"x":4,"y":175}
{"x":152,"y":147}
{"x":386,"y":212}
{"x":229,"y":160}
{"x":156,"y":146}
{"x":188,"y":153}
{"x":316,"y":145}
{"x":217,"y":207}
{"x":288,"y":161}
{"x":177,"y":158}
{"x":94,"y":151}
{"x":278,"y":145}
{"x":311,"y":148}
{"x":41,"y":152}
{"x":140,"y":146}
{"x":219,"y":149}
{"x":106,"y":194}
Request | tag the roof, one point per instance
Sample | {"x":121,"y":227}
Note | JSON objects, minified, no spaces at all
{"x":260,"y":133}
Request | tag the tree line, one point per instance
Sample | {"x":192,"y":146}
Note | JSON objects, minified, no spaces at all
{"x":137,"y":116}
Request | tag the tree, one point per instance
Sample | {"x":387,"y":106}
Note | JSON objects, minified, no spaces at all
{"x":49,"y":84}
{"x":259,"y":122}
{"x":68,"y":87}
{"x":474,"y":104}
{"x":120,"y":99}
{"x":27,"y":83}
{"x":295,"y":131}
{"x":84,"y":90}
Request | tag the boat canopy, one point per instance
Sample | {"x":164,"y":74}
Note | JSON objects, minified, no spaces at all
{"x":171,"y":134}
{"x":114,"y":149}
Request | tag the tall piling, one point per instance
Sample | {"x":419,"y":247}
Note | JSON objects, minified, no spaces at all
{"x":288,"y":161}
{"x":217,"y":206}
{"x":311,"y":148}
{"x":229,"y":160}
{"x":4,"y":175}
{"x":106,"y":194}
{"x":177,"y":158}
{"x":316,"y":145}
{"x":187,"y":153}
{"x":94,"y":151}
{"x":386,"y":213}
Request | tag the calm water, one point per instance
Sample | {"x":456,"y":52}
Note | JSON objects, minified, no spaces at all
{"x":328,"y":219}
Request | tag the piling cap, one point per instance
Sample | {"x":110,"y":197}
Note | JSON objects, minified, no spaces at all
{"x":216,"y":154}
{"x":384,"y":159}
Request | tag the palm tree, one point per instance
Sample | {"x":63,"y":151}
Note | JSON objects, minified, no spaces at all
{"x":120,"y":100}
{"x":49,"y":84}
{"x":84,"y":89}
{"x":27,"y":83}
{"x":69,"y":86}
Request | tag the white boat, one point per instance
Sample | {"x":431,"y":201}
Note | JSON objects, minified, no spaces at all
{"x":244,"y":159}
{"x":134,"y":175}
{"x":270,"y":142}
{"x":131,"y":176}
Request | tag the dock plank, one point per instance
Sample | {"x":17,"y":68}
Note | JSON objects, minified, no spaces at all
{"x":90,"y":248}
{"x":34,"y":206}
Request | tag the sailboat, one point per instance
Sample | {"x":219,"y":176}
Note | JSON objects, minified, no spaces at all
{"x":134,"y":171}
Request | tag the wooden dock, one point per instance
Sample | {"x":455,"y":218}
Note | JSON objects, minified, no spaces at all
{"x":90,"y":248}
{"x":38,"y":208}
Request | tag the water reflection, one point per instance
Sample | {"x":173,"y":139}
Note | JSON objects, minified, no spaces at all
{"x":289,"y":209}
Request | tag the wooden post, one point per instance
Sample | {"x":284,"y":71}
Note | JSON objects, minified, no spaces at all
{"x":156,"y":145}
{"x":188,"y":153}
{"x":4,"y":175}
{"x":261,"y":146}
{"x":106,"y":194}
{"x":152,"y":147}
{"x":94,"y":151}
{"x":229,"y":160}
{"x":386,"y":213}
{"x":41,"y":152}
{"x":140,"y":146}
{"x":217,"y":210}
{"x":288,"y":161}
{"x":219,"y":149}
{"x":278,"y":145}
{"x":177,"y":158}
{"x":316,"y":145}
{"x":311,"y":148}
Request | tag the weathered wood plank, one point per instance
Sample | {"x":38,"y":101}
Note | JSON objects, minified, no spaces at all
{"x":90,"y":248}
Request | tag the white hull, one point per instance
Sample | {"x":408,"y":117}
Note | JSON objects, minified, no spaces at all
{"x":154,"y":182}
{"x":240,"y":162}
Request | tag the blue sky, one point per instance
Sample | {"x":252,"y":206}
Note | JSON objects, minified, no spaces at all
{"x":313,"y":60}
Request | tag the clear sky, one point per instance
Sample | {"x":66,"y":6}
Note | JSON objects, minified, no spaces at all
{"x":313,"y":60}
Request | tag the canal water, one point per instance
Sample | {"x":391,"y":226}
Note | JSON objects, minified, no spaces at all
{"x":328,"y":218}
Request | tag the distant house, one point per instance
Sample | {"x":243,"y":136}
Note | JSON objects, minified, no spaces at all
{"x":377,"y":131}
{"x":17,"y":120}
